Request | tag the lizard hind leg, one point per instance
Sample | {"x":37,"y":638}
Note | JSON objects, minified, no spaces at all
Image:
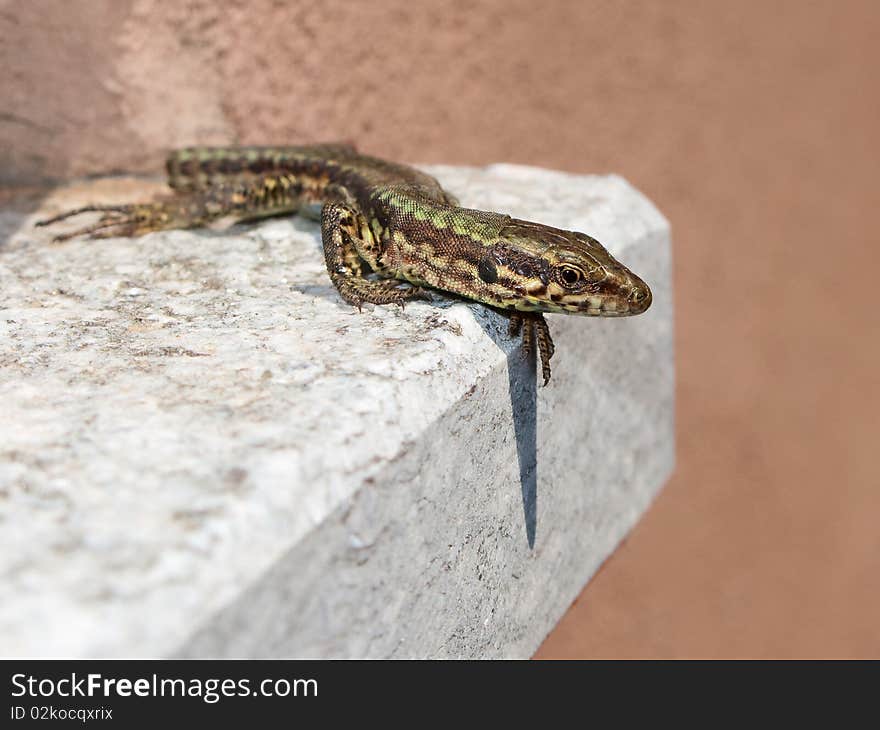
{"x":534,"y":328}
{"x":342,"y":234}
{"x":116,"y":220}
{"x":241,"y":199}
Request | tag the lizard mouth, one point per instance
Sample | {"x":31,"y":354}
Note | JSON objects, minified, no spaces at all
{"x":630,"y":300}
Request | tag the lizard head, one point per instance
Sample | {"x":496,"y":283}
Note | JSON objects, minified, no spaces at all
{"x":564,"y":271}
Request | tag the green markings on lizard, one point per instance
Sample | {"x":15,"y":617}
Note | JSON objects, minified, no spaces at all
{"x":439,"y":217}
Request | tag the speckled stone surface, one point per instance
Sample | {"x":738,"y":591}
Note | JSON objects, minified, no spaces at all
{"x":205,"y":452}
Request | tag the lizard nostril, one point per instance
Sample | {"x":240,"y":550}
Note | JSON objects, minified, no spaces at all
{"x":640,"y":296}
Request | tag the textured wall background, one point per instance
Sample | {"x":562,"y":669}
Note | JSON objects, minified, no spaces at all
{"x":752,"y":125}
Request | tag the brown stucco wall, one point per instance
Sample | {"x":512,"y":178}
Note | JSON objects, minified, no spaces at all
{"x":754,"y":127}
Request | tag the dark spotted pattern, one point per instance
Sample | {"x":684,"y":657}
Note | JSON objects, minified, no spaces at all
{"x":522,"y":263}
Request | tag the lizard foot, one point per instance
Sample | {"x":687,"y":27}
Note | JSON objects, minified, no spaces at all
{"x":117,"y":220}
{"x":359,"y":291}
{"x":534,"y":327}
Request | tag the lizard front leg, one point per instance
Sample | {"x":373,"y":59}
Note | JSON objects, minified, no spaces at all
{"x":343,"y":234}
{"x":534,"y":327}
{"x":243,"y":199}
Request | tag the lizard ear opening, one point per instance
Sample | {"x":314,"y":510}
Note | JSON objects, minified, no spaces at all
{"x":487,"y":271}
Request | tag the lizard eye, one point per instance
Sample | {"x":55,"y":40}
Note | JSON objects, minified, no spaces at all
{"x":570,"y":275}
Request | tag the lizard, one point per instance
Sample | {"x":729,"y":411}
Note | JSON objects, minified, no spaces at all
{"x":390,"y":233}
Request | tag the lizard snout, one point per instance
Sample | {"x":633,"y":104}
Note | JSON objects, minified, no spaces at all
{"x":640,"y":296}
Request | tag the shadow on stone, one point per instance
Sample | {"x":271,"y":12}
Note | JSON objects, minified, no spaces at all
{"x":523,"y":389}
